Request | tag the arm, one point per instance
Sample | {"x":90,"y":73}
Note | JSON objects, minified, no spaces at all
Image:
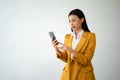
{"x":64,"y":56}
{"x":61,"y":54}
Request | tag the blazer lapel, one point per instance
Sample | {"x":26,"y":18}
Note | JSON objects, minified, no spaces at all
{"x":69,"y":45}
{"x":81,"y":42}
{"x":70,"y":41}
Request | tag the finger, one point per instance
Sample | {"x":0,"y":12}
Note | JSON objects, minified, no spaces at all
{"x":60,"y":43}
{"x":60,"y":47}
{"x":54,"y":42}
{"x":58,"y":53}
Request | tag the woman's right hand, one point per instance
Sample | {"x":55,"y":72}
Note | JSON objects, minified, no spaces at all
{"x":55,"y":44}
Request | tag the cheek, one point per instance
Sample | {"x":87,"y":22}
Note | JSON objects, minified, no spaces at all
{"x":79,"y":23}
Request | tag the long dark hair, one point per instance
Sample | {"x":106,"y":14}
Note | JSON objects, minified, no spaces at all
{"x":80,"y":14}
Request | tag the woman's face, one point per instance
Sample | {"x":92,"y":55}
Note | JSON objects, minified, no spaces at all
{"x":75,"y":22}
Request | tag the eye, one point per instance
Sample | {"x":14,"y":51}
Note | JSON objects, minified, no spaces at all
{"x":73,"y":20}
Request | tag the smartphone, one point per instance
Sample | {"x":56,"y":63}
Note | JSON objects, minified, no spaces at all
{"x":51,"y":34}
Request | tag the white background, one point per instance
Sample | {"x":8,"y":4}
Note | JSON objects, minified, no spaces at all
{"x":26,"y":52}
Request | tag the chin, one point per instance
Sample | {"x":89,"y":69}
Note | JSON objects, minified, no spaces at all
{"x":74,"y":29}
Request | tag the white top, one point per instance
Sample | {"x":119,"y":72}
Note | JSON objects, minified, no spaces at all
{"x":76,"y":39}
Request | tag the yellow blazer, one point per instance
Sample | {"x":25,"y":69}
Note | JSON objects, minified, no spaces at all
{"x":79,"y":67}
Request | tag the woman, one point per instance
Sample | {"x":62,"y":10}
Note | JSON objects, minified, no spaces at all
{"x":77,"y":50}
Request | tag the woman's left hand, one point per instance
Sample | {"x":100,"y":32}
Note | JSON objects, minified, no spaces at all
{"x":63,"y":47}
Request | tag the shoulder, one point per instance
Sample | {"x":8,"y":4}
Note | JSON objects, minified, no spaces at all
{"x":89,"y":34}
{"x":67,"y":36}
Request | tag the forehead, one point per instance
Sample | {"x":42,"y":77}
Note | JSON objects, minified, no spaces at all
{"x":73,"y":17}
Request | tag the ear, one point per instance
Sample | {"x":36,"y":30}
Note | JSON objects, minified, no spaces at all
{"x":82,"y":19}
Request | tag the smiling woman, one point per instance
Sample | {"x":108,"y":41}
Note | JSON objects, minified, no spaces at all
{"x":77,"y":50}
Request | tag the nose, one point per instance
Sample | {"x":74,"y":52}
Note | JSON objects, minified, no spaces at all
{"x":71,"y":24}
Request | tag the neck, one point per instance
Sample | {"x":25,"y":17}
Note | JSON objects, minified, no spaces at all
{"x":77,"y":31}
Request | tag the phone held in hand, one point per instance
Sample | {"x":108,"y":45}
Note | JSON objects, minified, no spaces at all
{"x":52,"y":36}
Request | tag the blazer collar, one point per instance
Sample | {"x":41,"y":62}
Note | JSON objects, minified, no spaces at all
{"x":81,"y":42}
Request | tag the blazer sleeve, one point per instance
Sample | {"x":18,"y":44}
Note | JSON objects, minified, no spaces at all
{"x":86,"y":56}
{"x":64,"y":56}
